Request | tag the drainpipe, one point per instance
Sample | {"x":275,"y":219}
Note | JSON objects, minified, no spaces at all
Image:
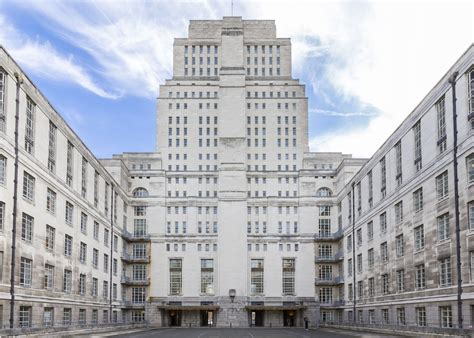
{"x":452,"y":81}
{"x":112,"y":196}
{"x":354,"y":294}
{"x":19,"y":81}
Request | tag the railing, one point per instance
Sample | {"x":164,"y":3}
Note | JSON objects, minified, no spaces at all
{"x":131,"y":258}
{"x":329,"y":236}
{"x":329,"y":281}
{"x":135,"y":236}
{"x":131,"y":281}
{"x":334,"y":258}
{"x":335,"y":303}
{"x":130,"y":304}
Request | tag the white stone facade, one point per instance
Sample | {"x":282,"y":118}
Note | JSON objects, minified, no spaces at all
{"x":232,"y":221}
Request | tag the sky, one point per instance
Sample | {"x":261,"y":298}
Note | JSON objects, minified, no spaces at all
{"x":366,"y":65}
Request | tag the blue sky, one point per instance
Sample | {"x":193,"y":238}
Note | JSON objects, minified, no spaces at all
{"x":100,"y":63}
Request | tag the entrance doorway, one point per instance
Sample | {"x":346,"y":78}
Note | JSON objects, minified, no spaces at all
{"x":256,"y":318}
{"x":207,"y":318}
{"x":175,"y":318}
{"x":289,"y":318}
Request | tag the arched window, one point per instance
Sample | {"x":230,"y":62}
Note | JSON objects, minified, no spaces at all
{"x":324,"y":192}
{"x":140,"y":192}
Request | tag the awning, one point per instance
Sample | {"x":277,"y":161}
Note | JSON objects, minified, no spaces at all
{"x":188,"y":307}
{"x":275,"y":307}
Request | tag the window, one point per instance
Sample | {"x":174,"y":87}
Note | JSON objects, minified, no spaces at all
{"x":445,"y":272}
{"x":96,"y":230}
{"x":82,"y":284}
{"x":140,"y":192}
{"x":3,"y":115}
{"x":50,"y":201}
{"x":106,"y":263}
{"x":138,"y":295}
{"x":84,"y":177}
{"x":48,"y":277}
{"x":50,"y":237}
{"x":27,"y":228}
{"x":176,"y":279}
{"x":288,"y":282}
{"x":385,"y":316}
{"x":399,"y":246}
{"x":443,"y":227}
{"x":24,"y":319}
{"x":385,"y":284}
{"x":105,"y":289}
{"x":370,"y":257}
{"x":207,"y":276}
{"x":69,"y":163}
{"x":420,"y":313}
{"x":420,"y":282}
{"x":82,"y":316}
{"x":28,"y":186}
{"x":417,"y":141}
{"x":419,"y":236}
{"x":440,"y":112}
{"x":83,"y":252}
{"x":30,"y":126}
{"x":3,"y":169}
{"x":68,"y":245}
{"x":469,"y":162}
{"x":471,"y":97}
{"x":48,"y":316}
{"x":359,"y":263}
{"x":359,"y":237}
{"x":384,"y":252}
{"x":95,"y":287}
{"x":371,"y":188}
{"x":398,"y":163}
{"x":325,"y":295}
{"x":418,"y":200}
{"x":52,"y":147}
{"x":96,"y":189}
{"x":401,"y":280}
{"x":472,"y":265}
{"x":67,"y":281}
{"x":383,"y":223}
{"x":67,"y":316}
{"x":401,"y":316}
{"x":2,"y":216}
{"x":370,"y":231}
{"x":83,"y":223}
{"x":442,"y":186}
{"x":69,"y":213}
{"x":399,"y":212}
{"x":324,"y":192}
{"x":383,"y":177}
{"x":349,"y":267}
{"x":445,"y":316}
{"x":371,"y":287}
{"x":26,"y":266}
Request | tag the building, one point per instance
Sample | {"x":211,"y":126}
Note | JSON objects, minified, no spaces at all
{"x":232,"y":221}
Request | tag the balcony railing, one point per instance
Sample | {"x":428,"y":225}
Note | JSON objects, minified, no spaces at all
{"x":329,"y":281}
{"x":334,"y":258}
{"x":322,"y":236}
{"x":135,"y":259}
{"x":130,"y":281}
{"x":131,"y":304}
{"x":135,"y":237}
{"x":335,"y":303}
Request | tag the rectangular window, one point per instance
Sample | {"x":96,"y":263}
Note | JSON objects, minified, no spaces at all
{"x":28,"y":186}
{"x":26,"y":266}
{"x":399,"y":245}
{"x":83,"y":223}
{"x":51,"y":201}
{"x":67,"y":316}
{"x":50,"y":237}
{"x":138,"y":295}
{"x":48,"y":277}
{"x":385,"y":284}
{"x":398,"y":163}
{"x":383,"y":178}
{"x":470,"y":168}
{"x":418,"y":200}
{"x":383,"y":223}
{"x":69,"y":213}
{"x":446,"y":316}
{"x":399,"y":212}
{"x":442,"y":186}
{"x":419,"y":236}
{"x":96,"y":230}
{"x":420,"y":282}
{"x":84,"y":177}
{"x":288,"y":282}
{"x":443,"y":227}
{"x":67,"y":281}
{"x":52,"y":147}
{"x":67,"y":245}
{"x":417,"y":141}
{"x":82,"y":284}
{"x":371,"y":189}
{"x":83,"y":252}
{"x":176,"y":278}
{"x":24,"y":318}
{"x":207,"y":276}
{"x":385,"y":316}
{"x":69,"y":163}
{"x":371,"y":287}
{"x":445,"y":272}
{"x":401,"y":280}
{"x":27,"y":223}
{"x":370,"y":257}
{"x":257,"y":276}
{"x":441,"y":116}
{"x":370,"y":231}
{"x":95,"y":287}
{"x":96,"y":189}
{"x":384,"y":252}
{"x":420,"y":316}
{"x":401,"y":316}
{"x":48,"y":316}
{"x":105,"y":289}
{"x":3,"y":86}
{"x":30,"y":126}
{"x":3,"y":169}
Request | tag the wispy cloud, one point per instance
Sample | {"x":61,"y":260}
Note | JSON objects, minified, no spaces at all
{"x":43,"y":60}
{"x":341,"y":114}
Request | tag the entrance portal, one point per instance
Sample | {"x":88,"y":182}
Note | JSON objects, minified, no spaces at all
{"x":207,"y":318}
{"x":289,"y":318}
{"x":175,"y":318}
{"x":256,"y":318}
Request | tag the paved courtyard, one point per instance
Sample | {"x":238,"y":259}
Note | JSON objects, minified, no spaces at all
{"x":246,"y":333}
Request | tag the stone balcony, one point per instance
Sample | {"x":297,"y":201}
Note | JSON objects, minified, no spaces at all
{"x":339,"y":256}
{"x":130,"y":281}
{"x":329,"y":281}
{"x":335,"y":236}
{"x":126,"y":257}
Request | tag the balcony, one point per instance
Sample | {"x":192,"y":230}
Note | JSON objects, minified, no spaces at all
{"x":333,"y":304}
{"x":135,"y":237}
{"x":133,"y":305}
{"x":329,"y":281}
{"x":130,"y":281}
{"x":329,"y":236}
{"x":126,"y":257}
{"x":330,"y":259}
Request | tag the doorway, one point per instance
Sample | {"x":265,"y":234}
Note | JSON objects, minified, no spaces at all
{"x":289,"y":318}
{"x":175,"y":318}
{"x":207,"y":318}
{"x":257,"y":318}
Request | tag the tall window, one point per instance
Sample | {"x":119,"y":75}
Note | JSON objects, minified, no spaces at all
{"x":445,"y":272}
{"x":67,"y":316}
{"x":69,"y":163}
{"x":52,"y":147}
{"x":399,"y":212}
{"x":446,"y":316}
{"x":441,"y":115}
{"x":370,"y":231}
{"x":401,"y":320}
{"x":207,"y":276}
{"x":24,"y":319}
{"x":325,"y":295}
{"x":288,"y":282}
{"x":401,"y":280}
{"x":28,"y":186}
{"x":96,"y":189}
{"x":3,"y":115}
{"x":418,"y":200}
{"x":470,"y":168}
{"x":83,"y":252}
{"x":30,"y":126}
{"x":26,"y":266}
{"x":138,"y":295}
{"x":471,"y":97}
{"x":3,"y":169}
{"x":383,"y":223}
{"x":443,"y":227}
{"x":27,"y":227}
{"x":399,"y":245}
{"x":2,"y":216}
{"x":419,"y":237}
{"x":398,"y":163}
{"x":371,"y":189}
{"x":383,"y":177}
{"x":67,"y":245}
{"x":50,"y":237}
{"x":84,"y":177}
{"x":69,"y":213}
{"x":417,"y":141}
{"x":51,"y":201}
{"x":176,"y":277}
{"x":359,"y":198}
{"x":82,"y":284}
{"x":385,"y":284}
{"x":384,"y":252}
{"x":420,"y":281}
{"x":67,"y":281}
{"x":420,"y":316}
{"x":442,"y":185}
{"x":48,"y":277}
{"x":370,"y":258}
{"x":256,"y":276}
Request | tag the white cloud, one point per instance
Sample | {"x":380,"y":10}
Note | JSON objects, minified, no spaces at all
{"x":42,"y":59}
